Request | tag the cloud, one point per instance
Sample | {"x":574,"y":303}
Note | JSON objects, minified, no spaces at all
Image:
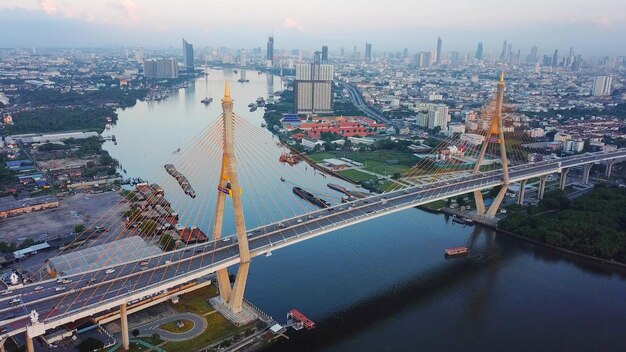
{"x":292,"y":23}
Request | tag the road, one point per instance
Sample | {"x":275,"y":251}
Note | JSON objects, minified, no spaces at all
{"x":108,"y":287}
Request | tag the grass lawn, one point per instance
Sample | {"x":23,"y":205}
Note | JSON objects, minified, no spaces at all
{"x":217,"y":328}
{"x":436,"y":205}
{"x":356,"y":175}
{"x":196,"y":301}
{"x":172,"y":326}
{"x":373,"y":161}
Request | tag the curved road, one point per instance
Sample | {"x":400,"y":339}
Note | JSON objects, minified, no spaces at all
{"x":199,"y":325}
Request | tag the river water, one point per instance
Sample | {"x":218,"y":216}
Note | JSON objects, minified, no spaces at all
{"x":383,"y":284}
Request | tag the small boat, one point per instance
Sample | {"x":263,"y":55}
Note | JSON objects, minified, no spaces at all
{"x":251,"y":105}
{"x":282,"y":179}
{"x":206,"y":101}
{"x":108,"y":126}
{"x":177,"y":150}
{"x":263,"y":125}
{"x":269,"y":254}
{"x":456,"y":251}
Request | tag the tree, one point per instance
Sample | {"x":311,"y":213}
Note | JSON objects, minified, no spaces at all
{"x":149,"y":227}
{"x":135,"y":332}
{"x":89,"y":344}
{"x":79,"y":228}
{"x":167,"y":242}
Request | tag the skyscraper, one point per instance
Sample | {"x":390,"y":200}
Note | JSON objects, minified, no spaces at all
{"x":270,"y":50}
{"x":479,"y":51}
{"x":438,"y":54}
{"x":342,"y":52}
{"x":313,"y":88}
{"x":555,"y":58}
{"x":532,"y":57}
{"x":602,"y":86}
{"x":503,"y":52}
{"x":368,"y":52}
{"x":325,"y":54}
{"x":188,"y":55}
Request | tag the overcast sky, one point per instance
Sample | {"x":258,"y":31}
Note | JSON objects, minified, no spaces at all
{"x":592,"y":27}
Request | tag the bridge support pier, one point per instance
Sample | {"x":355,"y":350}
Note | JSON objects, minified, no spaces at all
{"x":522,"y":192}
{"x":493,"y":208}
{"x":2,"y":349}
{"x":609,"y":168}
{"x":480,"y":202}
{"x":30,"y":347}
{"x":542,"y":187}
{"x":586,"y":172}
{"x":124,"y":323}
{"x":563,"y":180}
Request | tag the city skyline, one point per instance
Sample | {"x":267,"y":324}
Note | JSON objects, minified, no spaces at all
{"x":594,"y":29}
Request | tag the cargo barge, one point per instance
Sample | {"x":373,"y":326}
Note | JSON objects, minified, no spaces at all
{"x":312,"y":198}
{"x":181,"y":179}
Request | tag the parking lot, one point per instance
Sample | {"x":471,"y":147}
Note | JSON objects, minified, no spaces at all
{"x":79,"y":208}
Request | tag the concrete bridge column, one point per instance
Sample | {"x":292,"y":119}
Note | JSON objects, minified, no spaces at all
{"x":493,"y":208}
{"x":124,"y":321}
{"x":542,"y":187}
{"x":522,"y":191}
{"x":586,"y":172}
{"x":563,"y":180}
{"x":30,"y":347}
{"x":609,"y":168}
{"x":2,"y":345}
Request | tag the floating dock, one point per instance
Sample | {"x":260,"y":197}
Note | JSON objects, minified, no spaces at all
{"x":298,"y":320}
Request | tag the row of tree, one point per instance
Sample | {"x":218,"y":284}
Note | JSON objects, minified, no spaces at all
{"x":594,"y":224}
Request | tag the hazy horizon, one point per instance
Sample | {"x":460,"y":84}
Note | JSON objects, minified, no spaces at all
{"x":591,"y":28}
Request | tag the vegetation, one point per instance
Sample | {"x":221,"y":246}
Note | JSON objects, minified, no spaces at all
{"x":167,"y":242}
{"x":89,"y":344}
{"x":217,"y":328}
{"x":79,"y":228}
{"x":61,"y":119}
{"x":274,"y":112}
{"x":355,"y":175}
{"x":197,"y":301}
{"x":374,"y":161}
{"x":172,"y":326}
{"x":594,"y":224}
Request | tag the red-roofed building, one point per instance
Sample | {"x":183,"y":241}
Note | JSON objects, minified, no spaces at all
{"x":192,"y":235}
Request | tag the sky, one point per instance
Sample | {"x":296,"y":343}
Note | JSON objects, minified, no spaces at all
{"x":592,"y":27}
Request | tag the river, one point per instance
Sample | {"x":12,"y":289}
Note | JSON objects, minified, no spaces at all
{"x":383,"y":284}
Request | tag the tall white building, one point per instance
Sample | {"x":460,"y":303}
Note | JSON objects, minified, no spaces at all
{"x":313,"y":88}
{"x":602,"y":86}
{"x":433,"y":115}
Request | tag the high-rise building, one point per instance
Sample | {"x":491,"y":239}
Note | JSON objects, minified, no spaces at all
{"x":438,"y":54}
{"x":555,"y":58}
{"x":313,"y":88}
{"x":438,"y":116}
{"x":324,"y":54}
{"x":479,"y":51}
{"x":503,"y":55}
{"x":243,"y":58}
{"x":532,"y":57}
{"x":602,"y":86}
{"x":160,"y":68}
{"x":424,"y":59}
{"x":188,"y":55}
{"x":342,"y":52}
{"x":405,"y":53}
{"x":270,"y":51}
{"x":368,"y":52}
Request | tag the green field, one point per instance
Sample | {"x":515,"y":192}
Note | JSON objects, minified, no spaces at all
{"x":355,"y":175}
{"x":172,"y":326}
{"x":196,"y":301}
{"x":217,"y":329}
{"x":373,"y":161}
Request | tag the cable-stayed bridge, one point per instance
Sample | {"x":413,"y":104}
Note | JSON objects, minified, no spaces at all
{"x":110,"y":287}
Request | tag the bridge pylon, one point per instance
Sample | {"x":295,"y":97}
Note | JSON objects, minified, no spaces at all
{"x":495,"y":135}
{"x":229,"y":186}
